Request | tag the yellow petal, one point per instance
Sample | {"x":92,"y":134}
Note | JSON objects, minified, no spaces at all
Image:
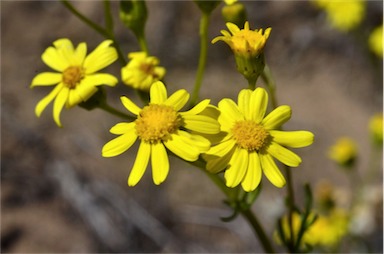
{"x":47,"y":99}
{"x":216,"y":164}
{"x":229,"y":112}
{"x":178,"y":99}
{"x":85,"y":90}
{"x":237,"y":167}
{"x":122,"y":128}
{"x":119,"y":145}
{"x":197,"y":141}
{"x":58,"y":104}
{"x":73,"y":98}
{"x":253,"y":176}
{"x":199,"y":108}
{"x":160,"y":163}
{"x":181,"y":148}
{"x":293,"y":139}
{"x":232,"y":28}
{"x":284,"y":155}
{"x":54,"y":59}
{"x":277,"y":117}
{"x":158,"y":93}
{"x":271,"y":171}
{"x":101,"y":79}
{"x":130,"y":105}
{"x":243,"y":101}
{"x":100,"y":58}
{"x":80,"y":54}
{"x":47,"y":79}
{"x":202,"y":124}
{"x":258,"y":104}
{"x":222,"y":149}
{"x":141,"y":163}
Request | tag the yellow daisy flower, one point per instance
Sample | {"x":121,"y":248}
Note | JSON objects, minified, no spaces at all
{"x":160,"y":125}
{"x":76,"y":80}
{"x":376,"y":128}
{"x":252,"y":141}
{"x":142,"y":71}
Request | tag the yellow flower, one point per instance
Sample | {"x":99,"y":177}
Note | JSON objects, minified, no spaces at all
{"x":229,"y":2}
{"x":327,"y":230}
{"x":76,"y":80}
{"x":344,"y":151}
{"x":159,"y":125}
{"x":343,"y":15}
{"x":376,"y":128}
{"x":247,"y":46}
{"x":142,"y":71}
{"x":244,"y":42}
{"x":252,"y":141}
{"x":375,"y":41}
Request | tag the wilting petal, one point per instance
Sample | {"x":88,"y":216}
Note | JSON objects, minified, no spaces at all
{"x":119,"y":145}
{"x":47,"y":79}
{"x":58,"y":104}
{"x":130,"y":106}
{"x":258,"y":104}
{"x":271,"y":171}
{"x":85,"y":90}
{"x":141,"y":163}
{"x":160,"y":163}
{"x":284,"y":155}
{"x":158,"y":93}
{"x":73,"y":98}
{"x":293,"y":139}
{"x":277,"y":117}
{"x":237,"y":167}
{"x":253,"y":176}
{"x":178,"y":99}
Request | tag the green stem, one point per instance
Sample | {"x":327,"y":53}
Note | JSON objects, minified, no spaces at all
{"x":204,"y":23}
{"x":266,"y":75}
{"x":113,"y":111}
{"x":142,"y":42}
{"x":108,"y":17}
{"x":251,"y":218}
{"x":106,"y":33}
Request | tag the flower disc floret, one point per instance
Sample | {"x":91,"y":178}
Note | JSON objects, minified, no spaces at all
{"x":72,"y":76}
{"x":157,"y":122}
{"x":249,"y":135}
{"x":161,"y":126}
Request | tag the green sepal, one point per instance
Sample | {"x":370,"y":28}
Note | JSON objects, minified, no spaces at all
{"x":133,"y":14}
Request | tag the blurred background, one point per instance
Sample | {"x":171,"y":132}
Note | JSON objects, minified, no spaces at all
{"x":59,"y":195}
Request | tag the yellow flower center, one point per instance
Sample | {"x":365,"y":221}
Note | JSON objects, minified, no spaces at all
{"x":72,"y":76}
{"x":148,"y":69}
{"x":157,"y":122}
{"x":250,"y":135}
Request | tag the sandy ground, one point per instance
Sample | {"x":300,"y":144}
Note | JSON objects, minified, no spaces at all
{"x":59,"y":195}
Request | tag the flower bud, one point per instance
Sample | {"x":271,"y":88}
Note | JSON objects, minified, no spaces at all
{"x":133,"y":14}
{"x":234,"y":13}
